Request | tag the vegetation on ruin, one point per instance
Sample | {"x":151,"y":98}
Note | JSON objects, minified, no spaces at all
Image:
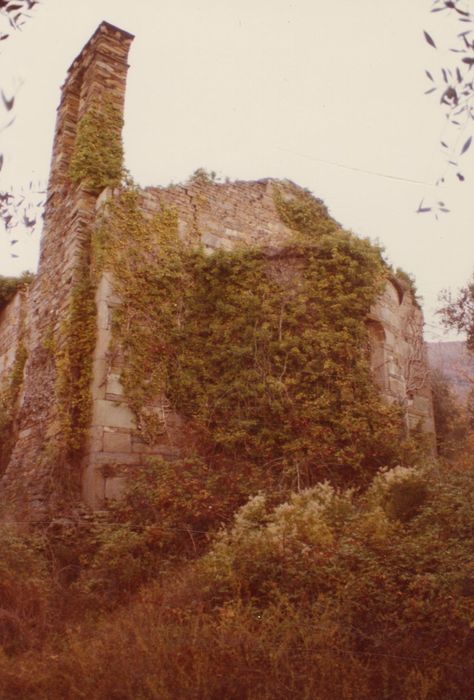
{"x":97,"y":160}
{"x":295,"y":551}
{"x":9,"y":286}
{"x":9,"y":393}
{"x":73,"y":360}
{"x":451,"y":420}
{"x":263,"y":353}
{"x":11,"y":383}
{"x":335,"y":593}
{"x":408,"y":282}
{"x":286,"y":552}
{"x":457,"y":312}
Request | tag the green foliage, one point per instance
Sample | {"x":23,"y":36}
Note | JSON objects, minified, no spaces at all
{"x":71,"y":349}
{"x":323,"y":538}
{"x":179,"y":501}
{"x":74,"y":364}
{"x":265,"y":355}
{"x":408,"y":281}
{"x":9,"y":286}
{"x":305,"y":214}
{"x":9,"y":394}
{"x":450,"y":424}
{"x":167,"y":515}
{"x":25,"y":590}
{"x":400,"y":492}
{"x":389,"y":566}
{"x":117,"y":563}
{"x":146,"y":257}
{"x":203,"y":176}
{"x":329,"y":595}
{"x":97,"y":161}
{"x":458,"y":313}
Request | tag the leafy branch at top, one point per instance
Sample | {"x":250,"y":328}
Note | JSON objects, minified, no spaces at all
{"x":13,"y":14}
{"x":454,"y":86}
{"x":20,"y":208}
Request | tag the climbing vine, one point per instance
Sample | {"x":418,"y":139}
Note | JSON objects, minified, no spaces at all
{"x":9,"y":286}
{"x":74,"y":364}
{"x":12,"y":382}
{"x":305,"y":214}
{"x":263,"y":353}
{"x":97,"y":160}
{"x":8,"y":399}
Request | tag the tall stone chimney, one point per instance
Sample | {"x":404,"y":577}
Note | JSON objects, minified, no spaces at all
{"x":96,"y":80}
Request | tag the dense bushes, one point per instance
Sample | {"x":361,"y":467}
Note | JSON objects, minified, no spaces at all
{"x":25,"y":591}
{"x":168,"y":515}
{"x":451,"y":423}
{"x":9,"y":286}
{"x":274,"y":558}
{"x":334,"y":594}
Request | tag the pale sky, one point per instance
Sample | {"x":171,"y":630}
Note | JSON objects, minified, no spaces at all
{"x":327,"y":94}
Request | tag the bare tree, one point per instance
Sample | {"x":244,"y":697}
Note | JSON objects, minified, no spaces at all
{"x":458,"y":312}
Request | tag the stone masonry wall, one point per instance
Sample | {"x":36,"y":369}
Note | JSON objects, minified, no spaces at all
{"x":99,"y":71}
{"x":12,"y":330}
{"x":221,"y":215}
{"x":399,"y":358}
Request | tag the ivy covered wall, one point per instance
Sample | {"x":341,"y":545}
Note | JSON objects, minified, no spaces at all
{"x":230,"y":326}
{"x":233,"y":329}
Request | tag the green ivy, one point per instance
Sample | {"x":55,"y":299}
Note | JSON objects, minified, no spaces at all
{"x":264,"y":354}
{"x":8,"y":400}
{"x":9,"y":286}
{"x":74,"y":364}
{"x":408,"y":281}
{"x":97,"y":160}
{"x":305,"y":214}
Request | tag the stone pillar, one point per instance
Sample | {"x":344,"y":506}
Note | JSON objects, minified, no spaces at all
{"x":100,"y":70}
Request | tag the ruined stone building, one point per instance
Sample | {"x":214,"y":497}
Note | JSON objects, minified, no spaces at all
{"x":37,"y":327}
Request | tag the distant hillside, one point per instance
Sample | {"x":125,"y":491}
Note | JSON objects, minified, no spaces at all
{"x":455,"y":362}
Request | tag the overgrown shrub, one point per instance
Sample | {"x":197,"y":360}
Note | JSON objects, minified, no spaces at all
{"x":25,"y":591}
{"x":329,"y":595}
{"x":9,"y":392}
{"x":450,"y":423}
{"x":9,"y":286}
{"x":168,"y":514}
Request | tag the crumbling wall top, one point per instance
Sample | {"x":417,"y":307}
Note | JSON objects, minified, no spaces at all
{"x":106,"y":31}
